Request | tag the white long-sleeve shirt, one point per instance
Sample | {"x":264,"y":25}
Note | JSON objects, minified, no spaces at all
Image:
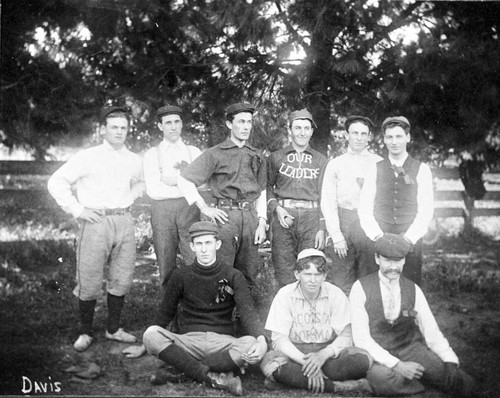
{"x":424,"y":318}
{"x":425,"y":203}
{"x":105,"y":178}
{"x":161,"y":161}
{"x":342,"y":182}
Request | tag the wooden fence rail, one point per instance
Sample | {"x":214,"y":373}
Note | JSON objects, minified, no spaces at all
{"x":39,"y":198}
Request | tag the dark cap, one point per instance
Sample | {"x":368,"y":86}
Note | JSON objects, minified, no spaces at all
{"x":112,"y":109}
{"x":392,"y":246}
{"x":302,"y":114}
{"x":168,"y":110}
{"x":203,"y":228}
{"x":239,"y":107}
{"x":354,"y":118}
{"x":401,"y":120}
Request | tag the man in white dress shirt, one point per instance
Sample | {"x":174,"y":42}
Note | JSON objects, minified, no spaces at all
{"x":108,"y":179}
{"x":391,"y":319}
{"x":171,"y":216}
{"x":351,"y":251}
{"x":397,"y":196}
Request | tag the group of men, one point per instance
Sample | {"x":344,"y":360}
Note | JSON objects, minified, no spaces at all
{"x":366,"y":213}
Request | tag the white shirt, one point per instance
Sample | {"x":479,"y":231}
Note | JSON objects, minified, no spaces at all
{"x":105,"y":179}
{"x":160,"y":161}
{"x":425,"y":203}
{"x":344,"y":176}
{"x":294,"y":318}
{"x":424,"y":318}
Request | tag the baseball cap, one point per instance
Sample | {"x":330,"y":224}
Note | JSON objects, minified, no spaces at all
{"x":302,"y":114}
{"x":112,"y":109}
{"x":392,"y":246}
{"x":203,"y":228}
{"x":168,"y":110}
{"x":396,"y":119}
{"x":239,"y":107}
{"x":354,"y":118}
{"x":310,"y":253}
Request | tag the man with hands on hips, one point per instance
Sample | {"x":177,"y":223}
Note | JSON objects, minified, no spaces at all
{"x":205,"y":349}
{"x":311,"y":334}
{"x":236,"y":174}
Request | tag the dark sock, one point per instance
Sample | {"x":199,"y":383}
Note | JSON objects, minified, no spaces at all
{"x":115,"y":305}
{"x":291,"y":375}
{"x":348,"y":367}
{"x":220,"y":362}
{"x":183,"y":361}
{"x":86,"y":309}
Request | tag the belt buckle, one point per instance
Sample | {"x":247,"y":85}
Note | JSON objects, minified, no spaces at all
{"x":244,"y":206}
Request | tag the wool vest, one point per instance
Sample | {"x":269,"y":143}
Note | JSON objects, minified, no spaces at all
{"x":398,"y":335}
{"x":396,"y":197}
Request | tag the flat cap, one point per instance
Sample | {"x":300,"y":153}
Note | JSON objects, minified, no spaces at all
{"x":239,"y":107}
{"x":203,"y":228}
{"x":112,"y":109}
{"x":302,"y":114}
{"x":396,"y":119}
{"x":392,"y":246}
{"x":310,"y":253}
{"x":168,"y":110}
{"x":354,"y":118}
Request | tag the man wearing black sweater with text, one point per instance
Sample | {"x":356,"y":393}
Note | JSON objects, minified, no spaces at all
{"x":208,"y":291}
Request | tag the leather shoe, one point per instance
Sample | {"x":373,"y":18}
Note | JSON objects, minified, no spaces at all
{"x":226,"y":382}
{"x":122,"y":336}
{"x":83,"y":342}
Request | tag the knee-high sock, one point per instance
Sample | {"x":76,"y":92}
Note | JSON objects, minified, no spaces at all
{"x":220,"y":362}
{"x":183,"y":361}
{"x":115,"y":305}
{"x":349,"y":367}
{"x":86,"y":310}
{"x":291,"y":375}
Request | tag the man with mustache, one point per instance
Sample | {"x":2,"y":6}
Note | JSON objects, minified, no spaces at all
{"x":391,"y":319}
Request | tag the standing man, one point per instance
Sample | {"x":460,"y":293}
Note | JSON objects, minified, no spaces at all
{"x":311,"y":333}
{"x":391,"y":319}
{"x":108,"y":179}
{"x":352,"y":253}
{"x":171,"y":216}
{"x":294,"y":174}
{"x":236,"y":174}
{"x":205,"y":349}
{"x":397,"y":196}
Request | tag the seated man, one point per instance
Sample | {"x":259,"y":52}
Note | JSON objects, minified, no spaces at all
{"x":311,"y":333}
{"x":208,"y":291}
{"x":391,"y":319}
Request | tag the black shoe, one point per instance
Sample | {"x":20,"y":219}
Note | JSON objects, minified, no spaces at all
{"x":226,"y":382}
{"x":165,"y":374}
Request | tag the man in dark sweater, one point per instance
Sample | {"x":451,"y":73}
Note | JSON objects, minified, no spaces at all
{"x":208,"y":291}
{"x":391,"y":319}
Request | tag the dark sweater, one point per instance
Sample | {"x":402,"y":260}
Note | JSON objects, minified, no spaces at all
{"x":204,"y":309}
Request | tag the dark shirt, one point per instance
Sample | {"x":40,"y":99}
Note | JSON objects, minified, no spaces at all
{"x":293,"y":175}
{"x":232,"y":172}
{"x":208,"y":296}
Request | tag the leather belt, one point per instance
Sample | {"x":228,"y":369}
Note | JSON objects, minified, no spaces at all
{"x":235,"y":204}
{"x":298,"y":204}
{"x":116,"y":212}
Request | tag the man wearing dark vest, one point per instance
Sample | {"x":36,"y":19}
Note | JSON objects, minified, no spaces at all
{"x":397,"y":196}
{"x":391,"y":319}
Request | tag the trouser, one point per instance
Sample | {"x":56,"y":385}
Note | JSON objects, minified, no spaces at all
{"x":413,"y":262}
{"x":170,"y":221}
{"x":387,"y":382}
{"x":360,"y":252}
{"x":288,"y":242}
{"x":352,"y":363}
{"x":238,"y":248}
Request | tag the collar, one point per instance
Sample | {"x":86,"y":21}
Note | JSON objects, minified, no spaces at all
{"x":387,"y":282}
{"x":107,"y":146}
{"x":364,"y":152}
{"x":211,"y":269}
{"x":167,"y":144}
{"x":289,"y":148}
{"x":228,"y":143}
{"x":398,"y":162}
{"x":297,"y":292}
